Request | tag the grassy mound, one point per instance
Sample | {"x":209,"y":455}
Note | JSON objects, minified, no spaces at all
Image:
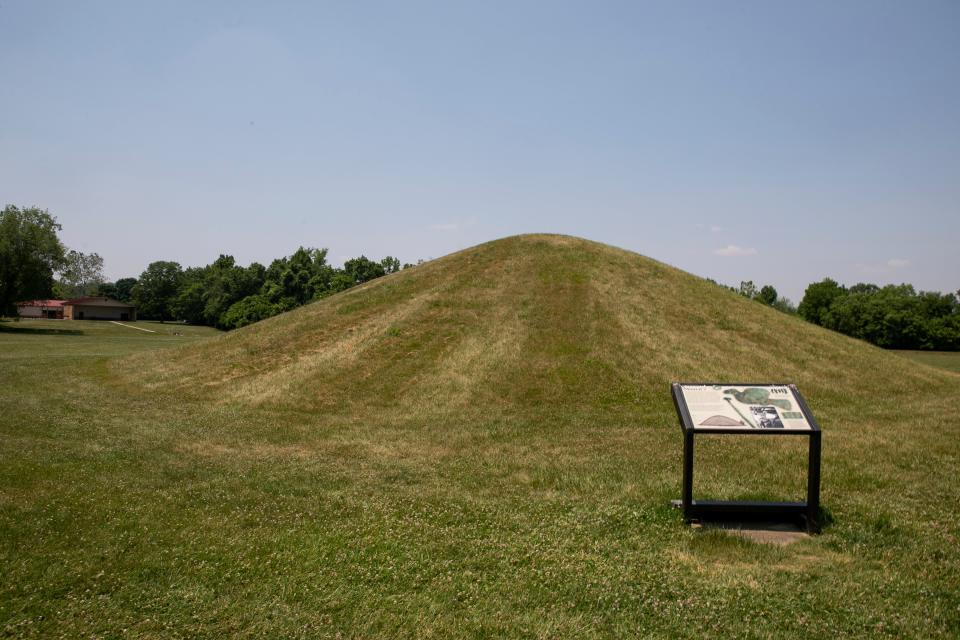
{"x":483,"y":445}
{"x":525,"y":325}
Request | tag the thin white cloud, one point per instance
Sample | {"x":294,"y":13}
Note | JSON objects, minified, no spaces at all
{"x":733,"y":251}
{"x":716,"y":228}
{"x":898,"y":263}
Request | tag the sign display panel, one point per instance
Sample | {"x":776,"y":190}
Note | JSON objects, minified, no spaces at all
{"x":717,"y":408}
{"x":746,"y":407}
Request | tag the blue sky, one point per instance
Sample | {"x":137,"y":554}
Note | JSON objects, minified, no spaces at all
{"x":773,"y":141}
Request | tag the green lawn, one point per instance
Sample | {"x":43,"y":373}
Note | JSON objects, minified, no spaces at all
{"x":28,"y":338}
{"x":481,"y":446}
{"x":949,"y":360}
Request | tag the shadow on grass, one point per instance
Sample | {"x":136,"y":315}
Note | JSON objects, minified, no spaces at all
{"x":6,"y":328}
{"x":760,"y":527}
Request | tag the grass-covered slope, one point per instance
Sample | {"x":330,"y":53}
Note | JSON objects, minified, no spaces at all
{"x":482,"y":446}
{"x":521,"y":326}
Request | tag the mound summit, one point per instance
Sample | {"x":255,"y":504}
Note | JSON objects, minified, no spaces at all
{"x":536,"y":323}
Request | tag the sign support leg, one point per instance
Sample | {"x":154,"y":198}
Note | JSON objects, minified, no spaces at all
{"x":813,"y":484}
{"x":687,"y":474}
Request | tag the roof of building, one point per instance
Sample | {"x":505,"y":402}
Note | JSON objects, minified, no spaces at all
{"x":41,"y":303}
{"x":96,"y":301}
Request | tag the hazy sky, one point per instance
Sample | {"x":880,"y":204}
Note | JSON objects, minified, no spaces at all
{"x":773,"y":141}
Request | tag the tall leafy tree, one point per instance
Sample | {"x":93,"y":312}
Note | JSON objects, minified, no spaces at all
{"x":156,"y":290}
{"x":363,"y":269}
{"x":228,"y":296}
{"x":249,"y":310}
{"x":226,"y":283}
{"x":817,"y":299}
{"x":747,"y":289}
{"x":897,"y":317}
{"x":206,"y":293}
{"x":125,"y":289}
{"x":120,"y":290}
{"x":299,"y":278}
{"x":188,"y":305}
{"x":30,"y":253}
{"x":81,"y":274}
{"x":767,"y":295}
{"x":893,"y":316}
{"x":390,"y":264}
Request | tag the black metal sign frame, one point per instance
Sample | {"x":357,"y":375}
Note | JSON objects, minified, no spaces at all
{"x":805,"y":512}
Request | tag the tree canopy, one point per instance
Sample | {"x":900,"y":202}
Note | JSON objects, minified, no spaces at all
{"x":817,"y":300}
{"x":226,"y":295}
{"x":30,"y":253}
{"x":205,"y":293}
{"x":892,"y":317}
{"x":156,"y":289}
{"x":766,"y":294}
{"x":81,"y":274}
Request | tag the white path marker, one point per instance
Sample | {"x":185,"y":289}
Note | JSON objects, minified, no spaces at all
{"x":130,"y":326}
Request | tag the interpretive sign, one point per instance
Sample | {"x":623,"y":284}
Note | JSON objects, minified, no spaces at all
{"x":738,"y":408}
{"x":720,"y":406}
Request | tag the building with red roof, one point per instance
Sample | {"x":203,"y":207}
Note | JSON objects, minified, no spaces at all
{"x":40,"y":309}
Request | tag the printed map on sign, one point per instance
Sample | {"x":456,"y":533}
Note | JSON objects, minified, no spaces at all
{"x":749,"y":407}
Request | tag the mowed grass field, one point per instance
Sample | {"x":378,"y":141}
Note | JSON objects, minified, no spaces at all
{"x":949,"y":360}
{"x":483,"y":445}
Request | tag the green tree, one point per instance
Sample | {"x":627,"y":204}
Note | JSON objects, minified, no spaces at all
{"x":156,"y":290}
{"x":341,"y":281}
{"x":892,"y":317}
{"x":119,"y":290}
{"x":299,"y":278}
{"x":885,"y":317}
{"x":390,"y":264}
{"x":188,"y":304}
{"x":226,"y":283}
{"x":363,"y":269}
{"x":784,"y":305}
{"x":206,"y":293}
{"x":897,"y":317}
{"x":30,"y":253}
{"x":81,"y":274}
{"x":817,"y":300}
{"x":767,"y":295}
{"x":943,"y":333}
{"x":747,"y":289}
{"x":125,"y":289}
{"x":863,"y":287}
{"x":107,"y":290}
{"x":249,"y":310}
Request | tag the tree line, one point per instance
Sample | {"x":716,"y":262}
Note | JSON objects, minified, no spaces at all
{"x":766,"y":294}
{"x":226,"y":295}
{"x":34,"y":264}
{"x":891,"y":316}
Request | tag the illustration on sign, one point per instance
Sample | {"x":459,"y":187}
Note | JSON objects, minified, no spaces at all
{"x":748,"y":407}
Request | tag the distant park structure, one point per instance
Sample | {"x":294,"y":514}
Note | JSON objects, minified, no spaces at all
{"x":98,"y":308}
{"x":85,"y":308}
{"x":51,"y":309}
